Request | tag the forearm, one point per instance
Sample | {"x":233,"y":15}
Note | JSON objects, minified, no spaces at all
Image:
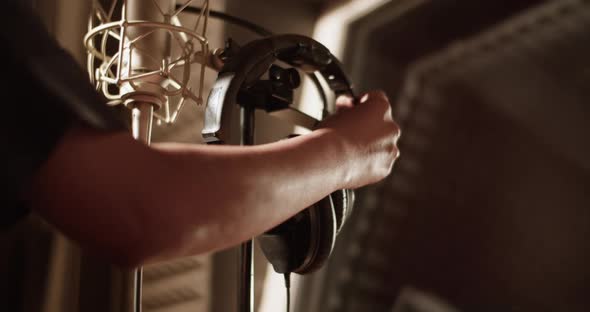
{"x":244,"y":191}
{"x":138,"y":204}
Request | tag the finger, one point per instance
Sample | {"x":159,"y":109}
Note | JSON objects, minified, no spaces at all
{"x":398,"y":133}
{"x":376,"y":95}
{"x":344,"y":102}
{"x":379,"y":94}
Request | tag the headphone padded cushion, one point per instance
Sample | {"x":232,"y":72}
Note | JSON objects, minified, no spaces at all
{"x":324,"y":239}
{"x":342,"y":207}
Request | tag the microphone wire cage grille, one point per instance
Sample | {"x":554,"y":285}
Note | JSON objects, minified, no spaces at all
{"x":113,"y":41}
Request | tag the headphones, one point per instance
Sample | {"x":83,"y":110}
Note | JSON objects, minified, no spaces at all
{"x":303,"y":243}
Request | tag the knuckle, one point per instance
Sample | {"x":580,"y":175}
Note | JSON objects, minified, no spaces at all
{"x":392,"y":151}
{"x":393,"y":129}
{"x":391,"y":148}
{"x":376,"y":98}
{"x":379,"y":94}
{"x":388,"y":116}
{"x":390,"y":169}
{"x":387,"y":170}
{"x":397,"y":134}
{"x":383,"y":102}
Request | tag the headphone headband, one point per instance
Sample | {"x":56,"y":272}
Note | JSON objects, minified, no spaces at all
{"x":252,"y":60}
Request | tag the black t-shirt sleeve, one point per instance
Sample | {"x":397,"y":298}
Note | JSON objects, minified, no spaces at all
{"x":43,"y":91}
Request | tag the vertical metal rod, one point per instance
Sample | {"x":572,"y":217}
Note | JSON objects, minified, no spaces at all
{"x":158,"y":45}
{"x":142,"y":116}
{"x":246,"y":278}
{"x":246,"y":290}
{"x":138,"y":289}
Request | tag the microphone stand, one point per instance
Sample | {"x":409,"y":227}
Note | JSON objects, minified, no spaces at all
{"x":142,"y":116}
{"x":146,"y":32}
{"x":246,"y":277}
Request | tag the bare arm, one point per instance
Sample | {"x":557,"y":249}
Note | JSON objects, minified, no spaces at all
{"x":137,"y":204}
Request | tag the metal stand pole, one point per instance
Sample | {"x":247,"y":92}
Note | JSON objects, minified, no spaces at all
{"x":246,"y":278}
{"x":119,"y":289}
{"x":142,"y":116}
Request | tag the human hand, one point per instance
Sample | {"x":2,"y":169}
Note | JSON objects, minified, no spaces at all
{"x":368,"y":137}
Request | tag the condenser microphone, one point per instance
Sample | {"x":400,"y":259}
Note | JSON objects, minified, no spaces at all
{"x":148,"y":49}
{"x":130,"y":61}
{"x":144,"y":59}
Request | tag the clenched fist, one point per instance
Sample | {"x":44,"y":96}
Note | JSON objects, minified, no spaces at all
{"x":368,"y":136}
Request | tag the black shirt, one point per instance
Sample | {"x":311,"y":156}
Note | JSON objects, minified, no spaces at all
{"x":43,"y":91}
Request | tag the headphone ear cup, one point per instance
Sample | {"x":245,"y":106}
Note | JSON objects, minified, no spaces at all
{"x":303,"y":243}
{"x":322,"y":236}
